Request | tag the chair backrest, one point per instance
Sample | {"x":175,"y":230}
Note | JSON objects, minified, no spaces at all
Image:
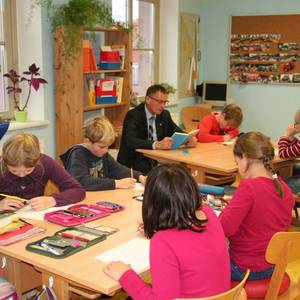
{"x":283,"y":248}
{"x":236,"y":293}
{"x":191,"y":115}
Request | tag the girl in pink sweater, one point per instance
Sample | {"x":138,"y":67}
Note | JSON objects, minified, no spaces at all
{"x":188,"y":253}
{"x":261,"y":206}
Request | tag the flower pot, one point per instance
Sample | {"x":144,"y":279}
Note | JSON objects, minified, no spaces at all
{"x":20,"y":115}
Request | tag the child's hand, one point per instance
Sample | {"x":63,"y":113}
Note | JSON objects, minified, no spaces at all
{"x":140,"y":229}
{"x":291,"y":131}
{"x":142,"y":179}
{"x":227,"y":137}
{"x":125,"y":183}
{"x":43,"y":202}
{"x":10,"y":204}
{"x":116,"y":269}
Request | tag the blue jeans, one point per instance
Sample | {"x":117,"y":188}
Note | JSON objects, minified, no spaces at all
{"x":294,"y":184}
{"x":238,"y":274}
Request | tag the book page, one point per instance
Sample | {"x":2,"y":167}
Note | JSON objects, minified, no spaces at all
{"x":28,"y":213}
{"x":134,"y":252}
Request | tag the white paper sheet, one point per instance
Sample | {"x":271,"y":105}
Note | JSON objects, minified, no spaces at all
{"x":29,"y":213}
{"x":139,"y":186}
{"x":134,"y":252}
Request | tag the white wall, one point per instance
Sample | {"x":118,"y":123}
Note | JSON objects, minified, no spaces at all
{"x":168,"y":40}
{"x":267,"y":108}
{"x":30,"y":47}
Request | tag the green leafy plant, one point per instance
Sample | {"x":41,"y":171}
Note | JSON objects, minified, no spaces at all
{"x":33,"y":80}
{"x":73,"y":16}
{"x":169,"y":88}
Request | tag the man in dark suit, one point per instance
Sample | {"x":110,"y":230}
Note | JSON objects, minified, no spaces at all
{"x":147,"y":126}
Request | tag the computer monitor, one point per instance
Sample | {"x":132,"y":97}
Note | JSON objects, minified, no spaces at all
{"x":215,"y":93}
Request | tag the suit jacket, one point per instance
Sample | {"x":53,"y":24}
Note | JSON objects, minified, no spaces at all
{"x":135,"y":135}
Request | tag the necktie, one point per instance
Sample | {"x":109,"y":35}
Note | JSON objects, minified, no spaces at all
{"x":150,"y":128}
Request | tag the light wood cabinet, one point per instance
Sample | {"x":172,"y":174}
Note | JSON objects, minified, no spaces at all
{"x":71,"y":96}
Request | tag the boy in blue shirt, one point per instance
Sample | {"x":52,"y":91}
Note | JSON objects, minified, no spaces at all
{"x":92,"y":165}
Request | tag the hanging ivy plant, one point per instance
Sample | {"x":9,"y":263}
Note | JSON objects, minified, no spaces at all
{"x":75,"y":15}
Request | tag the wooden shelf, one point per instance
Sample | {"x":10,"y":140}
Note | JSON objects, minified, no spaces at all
{"x":105,"y":71}
{"x":72,"y":89}
{"x":101,"y":106}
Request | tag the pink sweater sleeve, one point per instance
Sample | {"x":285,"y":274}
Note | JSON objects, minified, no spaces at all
{"x":164,"y":273}
{"x":237,"y":209}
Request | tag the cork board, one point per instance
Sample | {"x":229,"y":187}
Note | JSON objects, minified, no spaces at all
{"x":265,"y":49}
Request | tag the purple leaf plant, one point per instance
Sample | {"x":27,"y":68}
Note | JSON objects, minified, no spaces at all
{"x":33,"y":80}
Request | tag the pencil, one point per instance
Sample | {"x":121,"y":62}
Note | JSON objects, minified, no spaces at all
{"x":131,"y":173}
{"x":14,"y":197}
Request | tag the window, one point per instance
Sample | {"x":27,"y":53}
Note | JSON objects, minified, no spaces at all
{"x":143,"y":15}
{"x":7,"y":51}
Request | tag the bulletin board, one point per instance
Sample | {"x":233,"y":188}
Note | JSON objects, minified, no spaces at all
{"x":265,"y":49}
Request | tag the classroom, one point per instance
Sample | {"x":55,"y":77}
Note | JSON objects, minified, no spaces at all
{"x":184,"y":57}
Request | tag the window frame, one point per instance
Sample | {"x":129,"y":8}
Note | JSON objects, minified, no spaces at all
{"x":10,"y":43}
{"x":156,"y":38}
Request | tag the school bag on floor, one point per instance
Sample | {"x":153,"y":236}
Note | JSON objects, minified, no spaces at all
{"x":7,"y":290}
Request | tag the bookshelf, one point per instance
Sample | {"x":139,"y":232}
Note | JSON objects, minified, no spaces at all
{"x":71,"y":87}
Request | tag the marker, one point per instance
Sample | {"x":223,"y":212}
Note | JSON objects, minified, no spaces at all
{"x":131,"y":173}
{"x":15,"y":198}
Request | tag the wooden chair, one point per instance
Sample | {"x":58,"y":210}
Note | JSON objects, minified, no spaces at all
{"x":236,"y":293}
{"x":283,"y":248}
{"x":191,"y":115}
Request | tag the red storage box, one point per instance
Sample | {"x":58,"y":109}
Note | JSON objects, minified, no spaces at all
{"x":110,"y":56}
{"x":106,"y":87}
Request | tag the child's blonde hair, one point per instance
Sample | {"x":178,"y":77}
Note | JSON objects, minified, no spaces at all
{"x":99,"y":129}
{"x":234,"y":113}
{"x":22,"y":149}
{"x":255,"y":145}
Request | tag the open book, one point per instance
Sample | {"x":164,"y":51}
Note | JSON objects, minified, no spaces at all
{"x":179,"y":138}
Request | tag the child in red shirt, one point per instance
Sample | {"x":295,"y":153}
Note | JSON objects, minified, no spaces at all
{"x":222,"y":127}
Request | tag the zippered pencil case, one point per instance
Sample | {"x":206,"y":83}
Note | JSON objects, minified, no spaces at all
{"x":76,"y":214}
{"x":65,"y":242}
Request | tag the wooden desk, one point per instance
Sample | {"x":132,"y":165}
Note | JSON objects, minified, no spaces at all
{"x":210,"y":158}
{"x":80,"y":269}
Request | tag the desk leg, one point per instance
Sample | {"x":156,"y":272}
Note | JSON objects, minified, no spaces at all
{"x":12,"y":273}
{"x":23,"y":276}
{"x":60,"y":286}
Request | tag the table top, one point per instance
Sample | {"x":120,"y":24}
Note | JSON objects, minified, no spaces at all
{"x":214,"y":156}
{"x":82,"y":268}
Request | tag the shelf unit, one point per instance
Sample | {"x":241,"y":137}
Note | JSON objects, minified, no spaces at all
{"x":71,"y":96}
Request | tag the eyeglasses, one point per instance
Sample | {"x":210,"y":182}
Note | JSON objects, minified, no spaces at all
{"x":164,"y":102}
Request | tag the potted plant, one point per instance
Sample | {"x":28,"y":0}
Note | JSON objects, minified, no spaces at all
{"x":32,"y":79}
{"x":169,"y":88}
{"x":72,"y":16}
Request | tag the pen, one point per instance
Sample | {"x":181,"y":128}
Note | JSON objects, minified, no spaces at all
{"x":15,"y":198}
{"x":131,"y":173}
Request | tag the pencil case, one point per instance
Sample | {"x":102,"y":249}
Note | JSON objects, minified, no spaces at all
{"x":76,"y":214}
{"x":65,"y":242}
{"x":110,"y":206}
{"x":211,"y":189}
